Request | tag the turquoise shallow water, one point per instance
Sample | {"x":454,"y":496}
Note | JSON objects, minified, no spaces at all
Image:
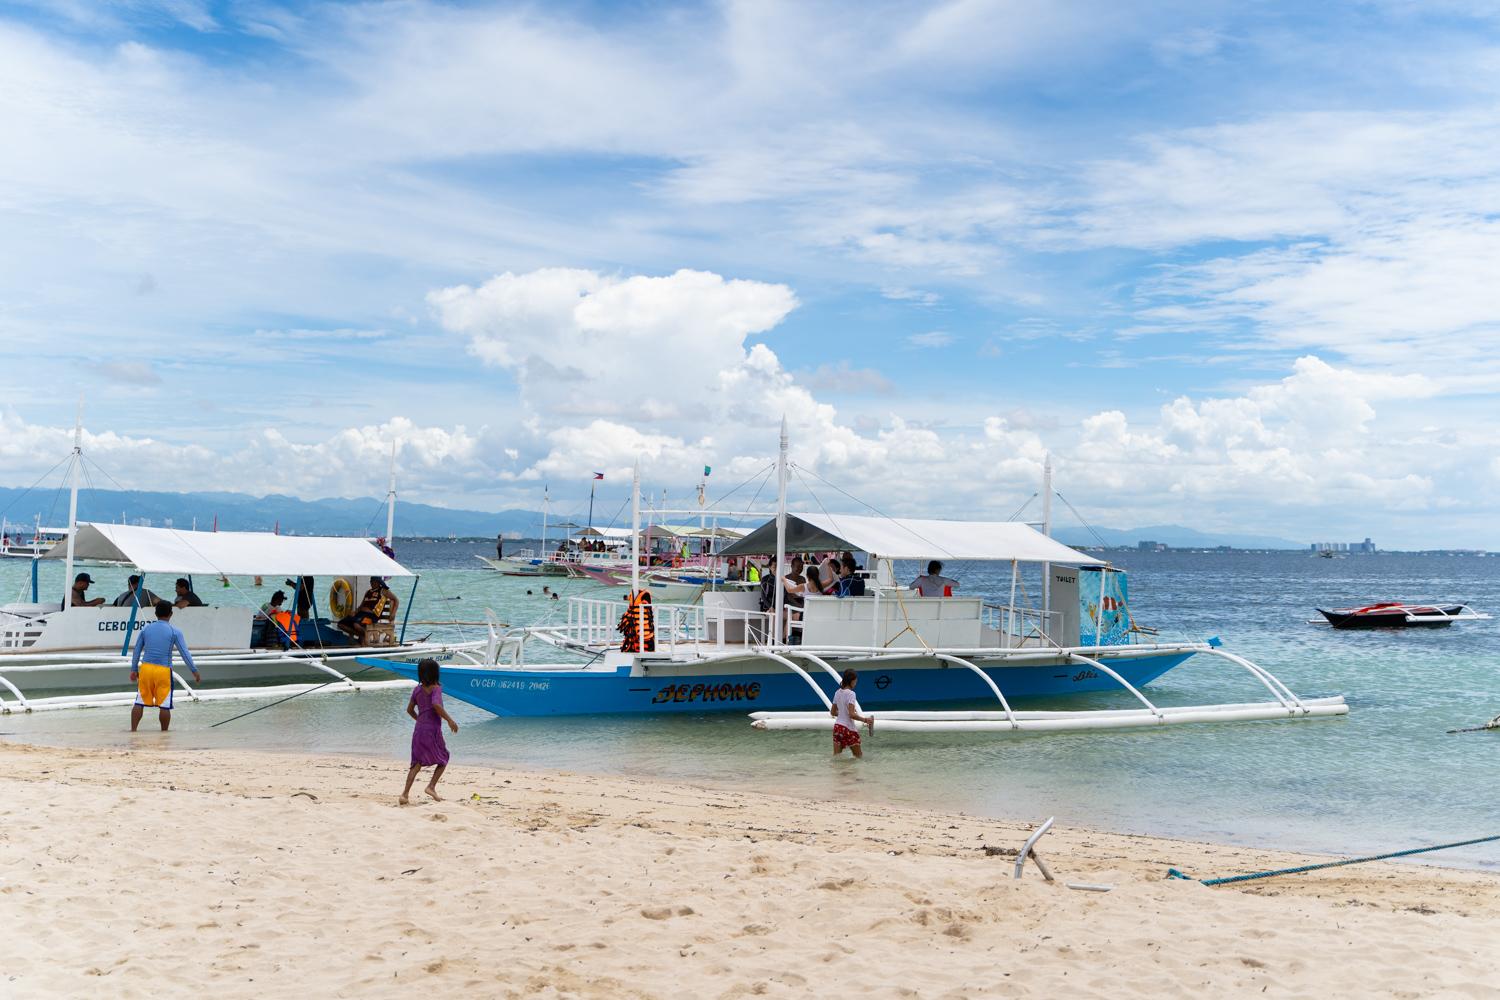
{"x":1385,"y":777}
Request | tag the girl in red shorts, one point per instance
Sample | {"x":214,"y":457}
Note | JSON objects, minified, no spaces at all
{"x":846,"y":715}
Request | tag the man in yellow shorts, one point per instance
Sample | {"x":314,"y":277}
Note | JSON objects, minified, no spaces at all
{"x":151,"y":666}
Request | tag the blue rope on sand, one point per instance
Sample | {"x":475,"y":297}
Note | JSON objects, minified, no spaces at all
{"x":1174,"y":873}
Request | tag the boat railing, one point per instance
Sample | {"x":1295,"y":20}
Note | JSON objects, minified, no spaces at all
{"x":731,"y":627}
{"x":595,"y":622}
{"x":1020,"y":626}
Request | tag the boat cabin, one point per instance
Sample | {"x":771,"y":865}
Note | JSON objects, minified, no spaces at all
{"x":1083,"y":600}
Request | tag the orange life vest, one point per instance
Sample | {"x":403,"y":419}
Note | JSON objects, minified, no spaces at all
{"x":638,"y":624}
{"x":287,"y":622}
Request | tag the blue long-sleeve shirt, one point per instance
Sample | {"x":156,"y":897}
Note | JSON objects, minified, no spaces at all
{"x":155,"y":645}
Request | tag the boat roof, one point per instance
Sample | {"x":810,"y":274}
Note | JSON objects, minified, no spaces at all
{"x":233,"y":553}
{"x":720,"y":532}
{"x":623,"y":533}
{"x":911,"y":538}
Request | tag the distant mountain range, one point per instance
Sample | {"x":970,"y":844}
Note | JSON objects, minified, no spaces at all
{"x":366,"y":516}
{"x":363,"y":516}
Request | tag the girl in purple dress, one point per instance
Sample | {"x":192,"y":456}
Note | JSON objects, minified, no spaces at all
{"x":427,"y":746}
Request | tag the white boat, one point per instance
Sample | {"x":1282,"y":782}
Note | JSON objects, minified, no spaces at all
{"x":49,"y":648}
{"x":19,"y":547}
{"x":55,"y":655}
{"x":727,"y":654}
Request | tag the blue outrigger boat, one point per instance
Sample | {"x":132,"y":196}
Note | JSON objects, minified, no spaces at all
{"x":726,"y":654}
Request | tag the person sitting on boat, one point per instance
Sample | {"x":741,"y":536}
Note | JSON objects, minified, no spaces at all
{"x":934,"y":583}
{"x":185,"y":596}
{"x":135,"y":594}
{"x":378,"y":604}
{"x":277,"y":622}
{"x":850,"y":583}
{"x":81,"y":597}
{"x":828,"y":575}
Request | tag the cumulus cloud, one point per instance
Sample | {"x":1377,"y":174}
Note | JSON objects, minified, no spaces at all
{"x":351,"y":462}
{"x":1312,"y":436}
{"x":639,"y":346}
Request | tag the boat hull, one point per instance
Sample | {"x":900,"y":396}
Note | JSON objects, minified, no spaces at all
{"x":1388,"y":619}
{"x":754,"y":683}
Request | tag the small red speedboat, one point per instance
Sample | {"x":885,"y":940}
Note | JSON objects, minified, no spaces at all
{"x":1395,"y":614}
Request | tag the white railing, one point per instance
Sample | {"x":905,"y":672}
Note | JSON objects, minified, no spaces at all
{"x":754,"y":627}
{"x":594,"y":622}
{"x":1020,"y":626}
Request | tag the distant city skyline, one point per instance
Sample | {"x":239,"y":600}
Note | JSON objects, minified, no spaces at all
{"x":1229,"y":264}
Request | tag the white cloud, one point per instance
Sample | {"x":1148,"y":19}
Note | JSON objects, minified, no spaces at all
{"x":637,"y":347}
{"x":844,"y":378}
{"x":930,"y":339}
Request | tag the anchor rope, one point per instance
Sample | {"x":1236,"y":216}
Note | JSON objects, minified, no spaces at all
{"x":1230,"y":879}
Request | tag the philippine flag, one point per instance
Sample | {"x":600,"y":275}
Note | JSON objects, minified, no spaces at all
{"x":598,"y":475}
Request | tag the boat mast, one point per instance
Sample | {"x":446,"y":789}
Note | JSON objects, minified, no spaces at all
{"x":73,"y":470}
{"x":777,"y":587}
{"x":546,"y":499}
{"x":1047,"y":530}
{"x":635,"y":529}
{"x":390,"y":503}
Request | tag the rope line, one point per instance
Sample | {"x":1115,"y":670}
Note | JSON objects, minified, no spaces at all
{"x":866,"y":504}
{"x":1230,"y":879}
{"x":1021,"y":509}
{"x":20,"y":496}
{"x":1097,"y":537}
{"x":283,"y":701}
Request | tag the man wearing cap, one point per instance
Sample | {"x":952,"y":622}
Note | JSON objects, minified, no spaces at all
{"x":151,"y":666}
{"x":80,"y":597}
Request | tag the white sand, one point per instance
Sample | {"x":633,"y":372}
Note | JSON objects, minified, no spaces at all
{"x":159,"y":873}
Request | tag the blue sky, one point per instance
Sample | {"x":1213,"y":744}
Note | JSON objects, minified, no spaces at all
{"x":1231,"y":264}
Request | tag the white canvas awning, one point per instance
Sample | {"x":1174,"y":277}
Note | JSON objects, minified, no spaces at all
{"x":911,"y":538}
{"x":232,"y":553}
{"x":610,"y":533}
{"x":719,"y":532}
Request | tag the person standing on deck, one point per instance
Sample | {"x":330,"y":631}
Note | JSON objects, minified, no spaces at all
{"x":151,"y":667}
{"x":499,"y":546}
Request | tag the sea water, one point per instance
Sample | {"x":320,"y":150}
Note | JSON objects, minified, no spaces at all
{"x":1385,"y":777}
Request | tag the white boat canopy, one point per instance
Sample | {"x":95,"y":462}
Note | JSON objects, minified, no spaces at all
{"x":911,"y":538}
{"x":232,"y":553}
{"x":614,"y":534}
{"x":720,"y":532}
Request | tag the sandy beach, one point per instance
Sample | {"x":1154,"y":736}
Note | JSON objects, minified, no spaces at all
{"x":161,"y":872}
